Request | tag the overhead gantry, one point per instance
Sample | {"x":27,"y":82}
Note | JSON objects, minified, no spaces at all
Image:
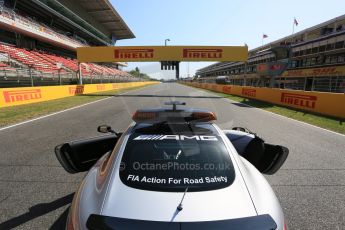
{"x":169,"y":56}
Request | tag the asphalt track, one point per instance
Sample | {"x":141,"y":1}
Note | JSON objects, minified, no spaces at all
{"x":35,"y":191}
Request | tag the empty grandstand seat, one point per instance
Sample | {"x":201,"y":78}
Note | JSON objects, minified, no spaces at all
{"x":2,"y":65}
{"x":46,"y":63}
{"x":29,"y":58}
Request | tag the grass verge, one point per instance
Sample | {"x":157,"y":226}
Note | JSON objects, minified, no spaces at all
{"x":330,"y":123}
{"x":15,"y":114}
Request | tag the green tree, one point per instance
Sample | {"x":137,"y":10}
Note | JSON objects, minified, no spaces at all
{"x":136,"y":73}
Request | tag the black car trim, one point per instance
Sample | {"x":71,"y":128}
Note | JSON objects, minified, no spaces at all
{"x":260,"y":222}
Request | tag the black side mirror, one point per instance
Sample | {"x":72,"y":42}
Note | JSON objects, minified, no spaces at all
{"x":81,"y":155}
{"x":105,"y":129}
{"x":273,"y":158}
{"x":267,"y":158}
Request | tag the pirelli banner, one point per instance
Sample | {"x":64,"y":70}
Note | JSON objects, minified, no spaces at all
{"x":28,"y":95}
{"x":331,"y":104}
{"x":162,"y":53}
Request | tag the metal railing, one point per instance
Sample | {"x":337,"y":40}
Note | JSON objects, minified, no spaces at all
{"x":335,"y":84}
{"x":37,"y":26}
{"x":23,"y":77}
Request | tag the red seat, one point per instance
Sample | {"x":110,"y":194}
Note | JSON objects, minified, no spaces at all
{"x":46,"y":63}
{"x":3,"y":64}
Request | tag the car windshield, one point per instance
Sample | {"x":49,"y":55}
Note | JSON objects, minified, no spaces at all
{"x":171,"y":158}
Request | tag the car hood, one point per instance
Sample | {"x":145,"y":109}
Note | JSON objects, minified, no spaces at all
{"x":231,"y":202}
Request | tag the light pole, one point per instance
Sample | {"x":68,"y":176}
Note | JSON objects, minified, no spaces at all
{"x":167,"y":40}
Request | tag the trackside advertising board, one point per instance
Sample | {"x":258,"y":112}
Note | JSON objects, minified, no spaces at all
{"x":331,"y":104}
{"x":28,"y":95}
{"x":162,"y":53}
{"x":323,"y":71}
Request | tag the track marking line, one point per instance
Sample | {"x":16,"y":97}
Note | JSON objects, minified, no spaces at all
{"x":62,"y":111}
{"x":301,"y":122}
{"x":52,"y":114}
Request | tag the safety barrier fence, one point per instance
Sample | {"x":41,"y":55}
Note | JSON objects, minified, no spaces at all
{"x":28,"y":95}
{"x":330,"y":104}
{"x":26,"y":78}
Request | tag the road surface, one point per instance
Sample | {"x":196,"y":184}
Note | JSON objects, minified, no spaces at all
{"x":35,"y":191}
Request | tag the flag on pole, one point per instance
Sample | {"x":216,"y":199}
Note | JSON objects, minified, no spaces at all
{"x":295,"y":22}
{"x":264,"y":36}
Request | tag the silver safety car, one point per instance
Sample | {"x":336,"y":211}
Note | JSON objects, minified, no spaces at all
{"x":173,"y":168}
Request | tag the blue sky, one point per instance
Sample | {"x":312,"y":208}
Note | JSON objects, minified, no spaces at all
{"x":217,"y":22}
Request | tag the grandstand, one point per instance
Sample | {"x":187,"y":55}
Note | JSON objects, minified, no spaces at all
{"x":38,"y":41}
{"x":316,"y":62}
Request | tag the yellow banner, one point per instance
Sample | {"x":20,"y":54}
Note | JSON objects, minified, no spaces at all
{"x":331,"y":104}
{"x":162,"y":53}
{"x":323,"y":71}
{"x":28,"y":95}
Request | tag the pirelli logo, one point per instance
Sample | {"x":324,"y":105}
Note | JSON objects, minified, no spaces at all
{"x":202,"y":53}
{"x":100,"y":87}
{"x":226,"y":89}
{"x":134,"y":53}
{"x":76,"y":90}
{"x":249,"y":92}
{"x":305,"y":101}
{"x":22,"y":95}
